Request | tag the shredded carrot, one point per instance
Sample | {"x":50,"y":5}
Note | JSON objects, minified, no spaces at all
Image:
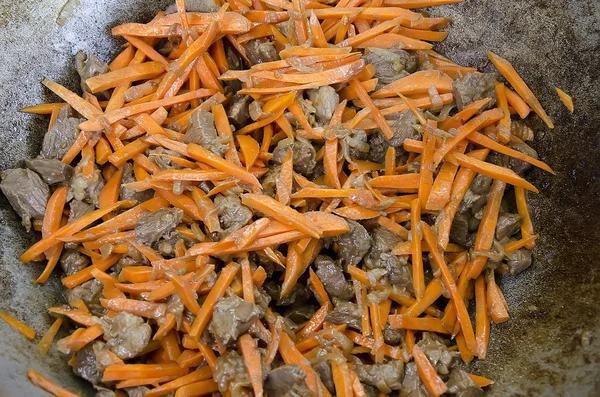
{"x":433,"y":383}
{"x":46,"y":341}
{"x":482,"y":319}
{"x":18,"y":325}
{"x":49,"y":386}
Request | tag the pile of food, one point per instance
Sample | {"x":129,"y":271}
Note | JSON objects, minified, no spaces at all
{"x":283,"y":198}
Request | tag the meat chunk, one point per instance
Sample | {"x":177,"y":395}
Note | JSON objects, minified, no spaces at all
{"x":390,"y":64}
{"x":26,"y":193}
{"x":519,"y":166}
{"x":78,"y":209}
{"x":232,"y":317}
{"x":459,"y":233}
{"x":160,"y":223}
{"x":391,"y":336}
{"x":261,"y":51}
{"x":73,"y":261}
{"x":472,"y":87}
{"x":158,"y":155}
{"x":85,"y":364}
{"x":402,"y":125}
{"x":354,"y":244}
{"x":238,"y":112}
{"x":460,"y":384}
{"x":128,"y":194}
{"x":52,"y":171}
{"x":300,"y":313}
{"x":332,"y":276}
{"x":286,"y":381}
{"x":89,"y":66}
{"x":353,"y":143}
{"x":386,"y":377}
{"x":61,"y":136}
{"x":438,"y":353}
{"x":202,"y":131}
{"x":86,"y":189}
{"x":105,"y":393}
{"x":380,"y":257}
{"x":232,"y":213}
{"x":412,"y":385}
{"x":324,"y":100}
{"x":231,"y":373}
{"x":194,"y":6}
{"x":378,"y":147}
{"x":507,"y":225}
{"x":304,"y":155}
{"x":235,"y":62}
{"x":90,"y":293}
{"x":323,"y":369}
{"x":139,"y":391}
{"x":519,"y":260}
{"x":346,"y":313}
{"x":125,"y":334}
{"x":269,"y":181}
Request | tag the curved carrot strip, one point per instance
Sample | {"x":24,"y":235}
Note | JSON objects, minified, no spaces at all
{"x":46,"y":384}
{"x":433,"y":383}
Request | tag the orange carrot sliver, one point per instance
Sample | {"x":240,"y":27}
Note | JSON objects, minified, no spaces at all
{"x":18,"y":325}
{"x":49,"y":386}
{"x":433,"y":383}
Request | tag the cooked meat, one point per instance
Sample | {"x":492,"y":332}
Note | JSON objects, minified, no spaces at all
{"x":378,"y":147}
{"x":481,"y":184}
{"x":175,"y":305}
{"x":105,"y":393}
{"x":238,"y":112}
{"x":89,"y":66}
{"x":392,"y":337}
{"x":232,"y":213}
{"x":460,"y":384}
{"x":370,"y":391}
{"x":386,"y":377}
{"x":85,"y":364}
{"x":86,"y":189}
{"x":232,"y":317}
{"x":346,"y":313}
{"x":286,"y":381}
{"x":402,"y":125}
{"x":324,"y":100}
{"x":472,"y":87}
{"x":128,"y":194}
{"x":139,"y":391}
{"x":231,"y":374}
{"x":202,"y":131}
{"x":353,"y":143}
{"x":299,"y":294}
{"x":260,"y":51}
{"x":354,"y":244}
{"x":390,"y":64}
{"x":520,"y":166}
{"x":323,"y":369}
{"x":194,"y":6}
{"x":26,"y":192}
{"x":519,"y":261}
{"x":78,"y":209}
{"x":51,"y":170}
{"x":158,"y":156}
{"x":261,"y":300}
{"x":125,"y":334}
{"x":521,"y":131}
{"x":459,"y":233}
{"x":73,"y":261}
{"x":90,"y":292}
{"x":508,"y":224}
{"x":269,"y":181}
{"x":300,"y":313}
{"x":412,"y":385}
{"x":437,"y":352}
{"x":332,"y":276}
{"x":304,"y":155}
{"x":160,"y":223}
{"x":235,"y":62}
{"x":380,"y":257}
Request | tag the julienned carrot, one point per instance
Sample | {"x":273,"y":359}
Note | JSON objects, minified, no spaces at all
{"x":394,"y":227}
{"x":419,"y":3}
{"x":341,"y":379}
{"x":49,"y":386}
{"x":417,"y":255}
{"x":138,"y":308}
{"x":482,"y":322}
{"x":253,"y":363}
{"x":247,"y":284}
{"x":82,"y":106}
{"x":297,"y":262}
{"x":427,"y":167}
{"x":375,"y":112}
{"x":116,"y":372}
{"x":389,"y":40}
{"x":416,"y":83}
{"x":480,"y":380}
{"x":439,"y":195}
{"x":462,"y":314}
{"x":46,"y":342}
{"x":430,"y":324}
{"x":318,"y":288}
{"x":510,"y":74}
{"x":517,"y":103}
{"x":433,"y":383}
{"x":315,"y":322}
{"x":186,"y":294}
{"x":459,"y":118}
{"x":496,"y":304}
{"x":291,"y":355}
{"x":77,"y":340}
{"x":18,"y":325}
{"x":406,"y":183}
{"x":523,"y":209}
{"x":142,"y":71}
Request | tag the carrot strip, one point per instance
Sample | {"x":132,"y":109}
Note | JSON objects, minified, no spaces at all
{"x":517,"y":103}
{"x":82,"y":106}
{"x":202,"y":388}
{"x":480,"y":380}
{"x":318,"y":288}
{"x":252,"y":360}
{"x":416,"y":83}
{"x":291,"y":355}
{"x":417,"y":256}
{"x":139,"y":308}
{"x":375,"y":112}
{"x":315,"y":323}
{"x":247,"y":284}
{"x":18,"y":325}
{"x":44,"y":383}
{"x":523,"y":209}
{"x":430,"y":324}
{"x":129,"y":74}
{"x":341,"y":379}
{"x":46,"y":342}
{"x":433,"y":383}
{"x":185,"y":292}
{"x":482,"y":323}
{"x":496,"y":304}
{"x":116,"y":372}
{"x":442,"y":186}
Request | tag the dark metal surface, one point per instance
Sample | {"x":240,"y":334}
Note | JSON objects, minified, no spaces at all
{"x":553,"y":305}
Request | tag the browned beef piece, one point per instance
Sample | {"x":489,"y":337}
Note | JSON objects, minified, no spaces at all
{"x":61,"y":136}
{"x":286,"y":381}
{"x":346,"y":313}
{"x":324,"y":100}
{"x":105,"y":393}
{"x":300,"y":313}
{"x":86,"y":189}
{"x":354,"y":244}
{"x":261,"y":51}
{"x":520,"y":166}
{"x":194,"y":6}
{"x":232,"y":213}
{"x":90,"y":293}
{"x":26,"y":192}
{"x":378,"y":147}
{"x":323,"y":369}
{"x":78,"y":209}
{"x":158,"y":224}
{"x":460,"y":384}
{"x":386,"y":377}
{"x":507,"y":225}
{"x":73,"y":261}
{"x":231,"y":374}
{"x":51,"y":170}
{"x":519,"y":260}
{"x":437,"y":351}
{"x":202,"y":131}
{"x":86,"y":365}
{"x":402,"y":125}
{"x":304,"y":155}
{"x":459,"y":233}
{"x":125,"y":334}
{"x":238,"y":112}
{"x":380,"y":257}
{"x":472,"y":87}
{"x":332,"y":276}
{"x":390,"y":64}
{"x":392,"y":337}
{"x":412,"y":385}
{"x":235,"y":62}
{"x":139,"y":391}
{"x":232,"y":317}
{"x":89,"y":66}
{"x":128,"y":194}
{"x":269,"y":180}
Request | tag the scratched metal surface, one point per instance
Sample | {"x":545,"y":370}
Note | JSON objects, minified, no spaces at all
{"x":551,"y":42}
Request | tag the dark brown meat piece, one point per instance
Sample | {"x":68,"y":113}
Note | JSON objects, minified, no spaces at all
{"x":392,"y":337}
{"x":89,"y":66}
{"x":160,"y":223}
{"x":437,"y":352}
{"x":194,"y":6}
{"x":77,"y":209}
{"x":269,"y":180}
{"x":323,"y":369}
{"x":481,"y":184}
{"x":390,"y":64}
{"x":235,"y":62}
{"x":261,"y":51}
{"x":412,"y":385}
{"x":73,"y":261}
{"x":519,"y":261}
{"x":85,"y":364}
{"x":380,"y":257}
{"x":50,"y":170}
{"x":459,"y":233}
{"x":354,"y":244}
{"x":507,"y":225}
{"x":125,"y":334}
{"x":61,"y":136}
{"x":460,"y":384}
{"x":238,"y":112}
{"x":26,"y":193}
{"x":332,"y":276}
{"x":90,"y":293}
{"x":202,"y":131}
{"x":402,"y":125}
{"x":304,"y":155}
{"x":324,"y":100}
{"x":378,"y":147}
{"x":299,"y":294}
{"x":300,"y":313}
{"x":474,"y":86}
{"x":139,"y":391}
{"x":386,"y":377}
{"x":286,"y":381}
{"x":105,"y":393}
{"x":128,"y":194}
{"x":232,"y":317}
{"x":232,"y":213}
{"x":231,"y":374}
{"x":346,"y":313}
{"x":520,"y":166}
